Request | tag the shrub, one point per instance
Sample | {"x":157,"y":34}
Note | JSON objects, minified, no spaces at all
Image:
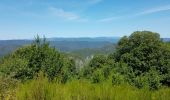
{"x":26,"y":62}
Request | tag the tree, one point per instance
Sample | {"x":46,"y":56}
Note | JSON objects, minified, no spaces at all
{"x":143,"y":51}
{"x":26,"y":62}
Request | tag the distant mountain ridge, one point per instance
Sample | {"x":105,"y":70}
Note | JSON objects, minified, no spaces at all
{"x":166,"y":39}
{"x":107,"y":39}
{"x":64,"y":44}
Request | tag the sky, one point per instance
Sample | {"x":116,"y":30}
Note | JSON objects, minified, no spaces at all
{"x":24,"y":19}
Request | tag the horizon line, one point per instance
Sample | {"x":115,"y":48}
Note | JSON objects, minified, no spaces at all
{"x":70,"y":38}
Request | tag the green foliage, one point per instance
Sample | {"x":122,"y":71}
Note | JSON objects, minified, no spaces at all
{"x":96,"y":63}
{"x":98,"y":76}
{"x":117,"y":79}
{"x":151,"y":80}
{"x":144,"y":51}
{"x":98,"y":69}
{"x":141,"y":59}
{"x":27,"y":61}
{"x":140,"y":50}
{"x":41,"y":89}
{"x":154,"y":79}
{"x":102,"y":68}
{"x":87,"y":52}
{"x":15,"y":68}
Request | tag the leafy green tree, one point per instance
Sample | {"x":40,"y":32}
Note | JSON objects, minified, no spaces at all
{"x":151,"y":80}
{"x":97,"y":70}
{"x":26,"y":62}
{"x":143,"y":51}
{"x":98,"y":76}
{"x":97,"y":62}
{"x":102,"y":68}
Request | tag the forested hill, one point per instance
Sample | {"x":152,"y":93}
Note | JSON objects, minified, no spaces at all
{"x":7,"y":46}
{"x":62,"y":44}
{"x":166,"y":39}
{"x":75,"y":45}
{"x":92,"y":39}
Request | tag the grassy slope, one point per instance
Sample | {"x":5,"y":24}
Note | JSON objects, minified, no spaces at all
{"x":41,"y":89}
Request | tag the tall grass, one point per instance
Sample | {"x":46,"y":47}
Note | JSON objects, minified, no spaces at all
{"x":7,"y":88}
{"x":41,"y":89}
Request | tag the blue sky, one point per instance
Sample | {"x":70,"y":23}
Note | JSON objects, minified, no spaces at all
{"x":23,"y":19}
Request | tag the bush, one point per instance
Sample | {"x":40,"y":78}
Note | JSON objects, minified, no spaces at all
{"x":143,"y":51}
{"x":117,"y":79}
{"x":98,"y":76}
{"x":151,"y":80}
{"x":26,"y":62}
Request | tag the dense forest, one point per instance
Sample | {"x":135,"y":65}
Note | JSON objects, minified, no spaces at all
{"x":136,"y":68}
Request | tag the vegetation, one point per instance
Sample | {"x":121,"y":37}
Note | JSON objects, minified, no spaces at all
{"x":26,"y":62}
{"x":86,"y":53}
{"x":147,"y":56}
{"x":138,"y":69}
{"x":42,"y":89}
{"x":71,"y":45}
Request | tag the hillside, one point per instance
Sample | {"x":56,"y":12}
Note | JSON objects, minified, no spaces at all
{"x":137,"y":67}
{"x":73,"y":45}
{"x":62,"y":44}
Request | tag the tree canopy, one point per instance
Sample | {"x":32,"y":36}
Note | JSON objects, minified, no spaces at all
{"x":27,"y":62}
{"x":142,"y":59}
